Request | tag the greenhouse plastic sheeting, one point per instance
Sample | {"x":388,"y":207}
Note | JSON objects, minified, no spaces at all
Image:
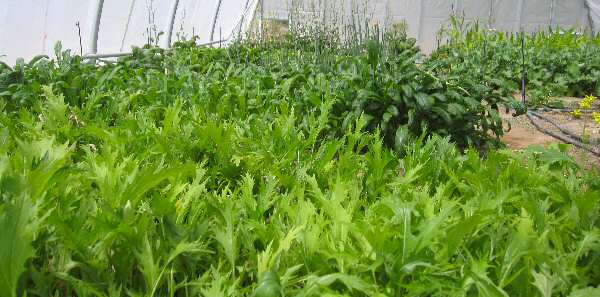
{"x":594,"y":6}
{"x":32,"y":27}
{"x":425,"y":18}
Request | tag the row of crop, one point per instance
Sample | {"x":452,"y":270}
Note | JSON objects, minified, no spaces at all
{"x":559,"y":63}
{"x":380,"y":81}
{"x":152,"y":192}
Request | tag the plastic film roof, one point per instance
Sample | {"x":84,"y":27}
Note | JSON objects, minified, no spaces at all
{"x":32,"y":27}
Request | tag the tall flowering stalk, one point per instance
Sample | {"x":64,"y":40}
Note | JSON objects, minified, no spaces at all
{"x":586,"y":105}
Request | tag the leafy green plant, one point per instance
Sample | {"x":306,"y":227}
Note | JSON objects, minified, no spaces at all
{"x":559,"y":63}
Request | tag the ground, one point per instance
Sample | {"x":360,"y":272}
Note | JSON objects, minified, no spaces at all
{"x":523,"y":134}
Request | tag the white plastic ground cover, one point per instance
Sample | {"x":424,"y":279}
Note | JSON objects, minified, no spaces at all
{"x":425,"y":17}
{"x":32,"y":27}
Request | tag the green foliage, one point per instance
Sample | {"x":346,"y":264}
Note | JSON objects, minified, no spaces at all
{"x":379,"y":79}
{"x":559,"y":63}
{"x":254,"y":171}
{"x":18,"y":224}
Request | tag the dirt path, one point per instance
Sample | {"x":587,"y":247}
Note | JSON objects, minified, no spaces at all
{"x":523,"y":135}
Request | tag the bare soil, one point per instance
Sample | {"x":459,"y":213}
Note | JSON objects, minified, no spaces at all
{"x":523,"y":134}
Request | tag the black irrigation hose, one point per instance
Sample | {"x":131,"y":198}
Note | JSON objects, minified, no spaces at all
{"x":570,"y":138}
{"x":552,"y":109}
{"x":559,"y":127}
{"x":559,"y":109}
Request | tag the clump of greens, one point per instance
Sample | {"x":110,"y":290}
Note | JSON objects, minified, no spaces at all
{"x":378,"y":78}
{"x":559,"y":63}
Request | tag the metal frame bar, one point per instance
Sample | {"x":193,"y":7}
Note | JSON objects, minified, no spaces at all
{"x":240,"y":23}
{"x":214,"y":24}
{"x":95,"y":26}
{"x":170,"y":24}
{"x":126,"y":30}
{"x":107,"y":55}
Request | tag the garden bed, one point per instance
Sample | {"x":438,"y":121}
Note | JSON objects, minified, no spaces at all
{"x":524,"y":134}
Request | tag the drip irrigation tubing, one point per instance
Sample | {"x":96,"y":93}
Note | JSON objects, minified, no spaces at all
{"x":568,"y":137}
{"x":559,"y":109}
{"x":558,"y":126}
{"x":552,"y":109}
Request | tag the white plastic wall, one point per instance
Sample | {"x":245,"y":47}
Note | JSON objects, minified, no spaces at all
{"x":32,"y":27}
{"x":594,"y":6}
{"x":425,"y":17}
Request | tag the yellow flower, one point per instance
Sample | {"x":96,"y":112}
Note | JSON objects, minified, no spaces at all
{"x":577,"y":113}
{"x":587,"y":102}
{"x":596,"y":117}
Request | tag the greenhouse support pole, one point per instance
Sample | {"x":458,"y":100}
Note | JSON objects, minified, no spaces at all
{"x":521,"y":4}
{"x":95,"y":26}
{"x":551,"y":14}
{"x":242,"y":18}
{"x":169,"y":29}
{"x":215,"y":18}
{"x":126,"y":30}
